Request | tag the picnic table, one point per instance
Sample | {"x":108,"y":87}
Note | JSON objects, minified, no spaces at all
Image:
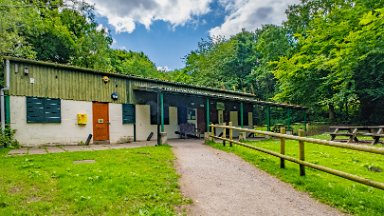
{"x":353,"y":132}
{"x":277,"y":128}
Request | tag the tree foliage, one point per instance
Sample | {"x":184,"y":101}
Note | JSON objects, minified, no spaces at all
{"x":327,"y":56}
{"x":64,"y":31}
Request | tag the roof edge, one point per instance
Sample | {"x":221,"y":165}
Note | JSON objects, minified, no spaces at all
{"x":115,"y":74}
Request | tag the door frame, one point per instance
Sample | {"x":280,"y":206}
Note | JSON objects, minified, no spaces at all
{"x":94,"y":123}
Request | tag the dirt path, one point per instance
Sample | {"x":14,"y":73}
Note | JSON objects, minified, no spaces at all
{"x":220,"y":183}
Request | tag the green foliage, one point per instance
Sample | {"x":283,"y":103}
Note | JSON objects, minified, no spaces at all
{"x":348,"y":196}
{"x":223,"y":63}
{"x":132,"y":63}
{"x":272,"y":43}
{"x":327,"y":56}
{"x":138,"y":181}
{"x":64,"y":32}
{"x":331,"y":53}
{"x":7,"y":138}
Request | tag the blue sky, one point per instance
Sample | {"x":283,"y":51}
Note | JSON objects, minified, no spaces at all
{"x":167,"y":30}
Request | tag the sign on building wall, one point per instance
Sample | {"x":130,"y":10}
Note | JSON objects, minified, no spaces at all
{"x":220,"y":106}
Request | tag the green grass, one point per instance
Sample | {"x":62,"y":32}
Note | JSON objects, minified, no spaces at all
{"x":346,"y":195}
{"x":138,"y":181}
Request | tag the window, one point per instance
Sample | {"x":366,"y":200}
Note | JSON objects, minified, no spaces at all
{"x":43,"y":110}
{"x":191,"y":114}
{"x":128,"y":113}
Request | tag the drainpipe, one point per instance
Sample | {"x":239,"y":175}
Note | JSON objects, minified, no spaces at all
{"x":6,"y":87}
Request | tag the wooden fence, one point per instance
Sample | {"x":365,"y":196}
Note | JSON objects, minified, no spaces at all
{"x":301,"y":161}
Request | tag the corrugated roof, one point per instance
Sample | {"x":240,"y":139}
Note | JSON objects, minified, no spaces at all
{"x":236,"y":94}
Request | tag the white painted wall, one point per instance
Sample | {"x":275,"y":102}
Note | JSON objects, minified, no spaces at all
{"x":233,"y":117}
{"x":193,"y":121}
{"x":66,"y":132}
{"x":118,"y":132}
{"x":144,"y":127}
{"x":250,"y":120}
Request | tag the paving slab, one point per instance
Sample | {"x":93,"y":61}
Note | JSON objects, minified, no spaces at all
{"x":73,"y":148}
{"x":99,"y":147}
{"x":54,"y":149}
{"x":35,"y":151}
{"x":20,"y":151}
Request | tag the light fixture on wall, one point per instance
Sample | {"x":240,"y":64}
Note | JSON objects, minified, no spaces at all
{"x":115,"y":96}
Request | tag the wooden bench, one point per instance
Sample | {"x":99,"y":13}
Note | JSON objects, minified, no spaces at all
{"x":188,"y":130}
{"x":353,"y":132}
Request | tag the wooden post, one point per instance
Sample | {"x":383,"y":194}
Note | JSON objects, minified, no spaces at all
{"x":212,"y":131}
{"x":230,"y":133}
{"x":301,"y":153}
{"x":282,"y":148}
{"x":224,"y":133}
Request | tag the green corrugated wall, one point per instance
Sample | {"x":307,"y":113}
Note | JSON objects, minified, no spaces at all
{"x":62,"y":83}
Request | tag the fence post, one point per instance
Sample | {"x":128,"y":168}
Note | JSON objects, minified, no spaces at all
{"x":230,"y":134}
{"x":301,"y":153}
{"x":212,"y":131}
{"x":224,"y":133}
{"x":282,"y":148}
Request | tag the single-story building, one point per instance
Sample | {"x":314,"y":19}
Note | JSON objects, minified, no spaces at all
{"x":48,"y":103}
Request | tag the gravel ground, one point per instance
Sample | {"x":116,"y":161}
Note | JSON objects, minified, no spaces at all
{"x":220,"y":183}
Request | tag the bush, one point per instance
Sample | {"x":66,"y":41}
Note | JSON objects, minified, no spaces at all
{"x":7,"y":138}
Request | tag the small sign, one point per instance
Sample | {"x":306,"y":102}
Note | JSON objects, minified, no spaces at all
{"x":220,"y":106}
{"x":100,"y":121}
{"x":32,"y":80}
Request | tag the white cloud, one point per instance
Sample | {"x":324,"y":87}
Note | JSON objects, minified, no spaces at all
{"x":123,"y":15}
{"x":163,"y":68}
{"x":250,"y":15}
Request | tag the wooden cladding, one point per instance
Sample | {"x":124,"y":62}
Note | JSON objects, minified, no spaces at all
{"x":129,"y":114}
{"x":51,"y":82}
{"x":43,"y":110}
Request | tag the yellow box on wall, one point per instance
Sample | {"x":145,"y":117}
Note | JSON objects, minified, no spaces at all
{"x":82,"y":119}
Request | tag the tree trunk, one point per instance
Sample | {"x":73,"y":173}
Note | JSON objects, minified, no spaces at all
{"x":331,"y":112}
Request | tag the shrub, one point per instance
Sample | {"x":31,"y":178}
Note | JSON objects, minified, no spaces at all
{"x":7,"y":138}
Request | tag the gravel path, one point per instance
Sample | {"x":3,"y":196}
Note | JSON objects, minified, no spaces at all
{"x":220,"y":183}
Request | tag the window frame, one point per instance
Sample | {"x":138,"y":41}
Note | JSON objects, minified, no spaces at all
{"x":43,"y":110}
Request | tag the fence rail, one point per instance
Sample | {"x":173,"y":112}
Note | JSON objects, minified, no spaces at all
{"x":301,"y":161}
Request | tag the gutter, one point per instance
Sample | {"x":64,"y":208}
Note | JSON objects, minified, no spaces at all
{"x":7,"y":74}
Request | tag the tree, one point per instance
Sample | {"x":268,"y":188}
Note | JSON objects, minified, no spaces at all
{"x":272,"y":42}
{"x":322,"y":71}
{"x":15,"y":17}
{"x":133,"y":63}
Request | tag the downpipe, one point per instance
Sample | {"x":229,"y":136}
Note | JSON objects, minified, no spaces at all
{"x":2,"y":95}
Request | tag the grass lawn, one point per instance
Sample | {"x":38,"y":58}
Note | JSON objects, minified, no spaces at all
{"x":346,"y":195}
{"x":138,"y":181}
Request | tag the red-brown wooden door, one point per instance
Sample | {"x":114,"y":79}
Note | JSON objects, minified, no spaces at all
{"x":201,"y":119}
{"x":100,"y":121}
